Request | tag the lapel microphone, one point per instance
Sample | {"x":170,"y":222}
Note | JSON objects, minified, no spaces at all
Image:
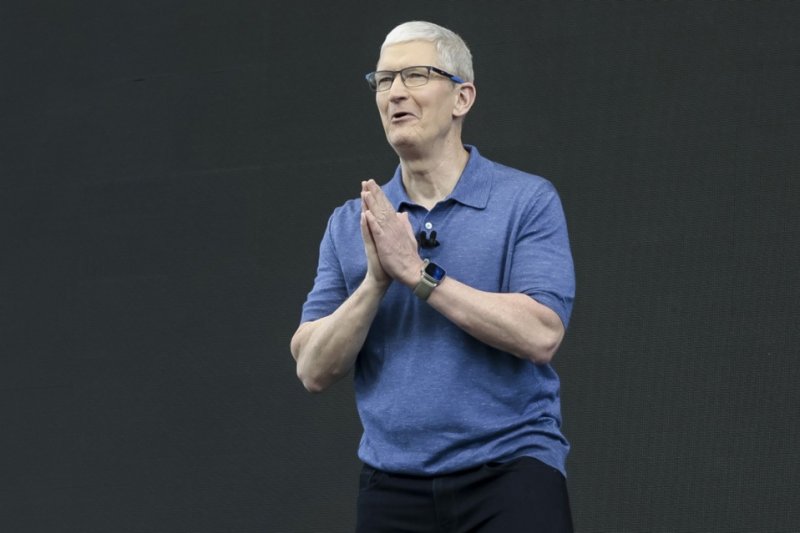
{"x":427,"y":242}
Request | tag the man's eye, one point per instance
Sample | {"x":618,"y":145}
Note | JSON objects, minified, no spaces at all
{"x":415,"y":75}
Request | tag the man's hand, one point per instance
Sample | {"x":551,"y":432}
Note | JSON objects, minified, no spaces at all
{"x":392,"y":238}
{"x":375,"y":271}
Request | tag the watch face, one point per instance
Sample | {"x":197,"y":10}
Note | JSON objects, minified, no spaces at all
{"x":435,"y":271}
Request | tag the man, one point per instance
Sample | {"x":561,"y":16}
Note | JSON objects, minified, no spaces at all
{"x":459,"y":404}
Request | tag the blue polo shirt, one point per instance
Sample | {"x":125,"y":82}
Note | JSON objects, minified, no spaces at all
{"x":432,"y":399}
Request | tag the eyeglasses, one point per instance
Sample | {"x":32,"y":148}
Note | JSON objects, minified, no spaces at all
{"x":382,"y":80}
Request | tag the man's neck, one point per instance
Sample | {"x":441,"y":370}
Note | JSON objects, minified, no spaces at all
{"x":429,"y":177}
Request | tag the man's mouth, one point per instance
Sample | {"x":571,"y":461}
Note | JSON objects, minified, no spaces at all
{"x":400,"y":115}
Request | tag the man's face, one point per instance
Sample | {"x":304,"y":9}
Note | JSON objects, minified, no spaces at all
{"x":418,"y":116}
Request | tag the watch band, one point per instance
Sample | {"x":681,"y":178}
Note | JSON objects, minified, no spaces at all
{"x":426,"y":283}
{"x":424,"y":288}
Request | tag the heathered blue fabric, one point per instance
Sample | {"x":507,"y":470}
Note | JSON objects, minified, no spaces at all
{"x":432,"y":399}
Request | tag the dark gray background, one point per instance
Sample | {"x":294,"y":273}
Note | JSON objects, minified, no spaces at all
{"x":166,"y":172}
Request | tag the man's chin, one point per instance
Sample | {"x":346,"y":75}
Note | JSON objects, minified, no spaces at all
{"x":402,"y":141}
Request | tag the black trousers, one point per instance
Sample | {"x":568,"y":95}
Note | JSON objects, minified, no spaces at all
{"x":520,"y":496}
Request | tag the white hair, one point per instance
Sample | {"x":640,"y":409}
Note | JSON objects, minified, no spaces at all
{"x":453,"y":52}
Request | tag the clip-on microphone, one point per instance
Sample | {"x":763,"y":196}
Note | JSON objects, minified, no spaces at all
{"x":427,"y":242}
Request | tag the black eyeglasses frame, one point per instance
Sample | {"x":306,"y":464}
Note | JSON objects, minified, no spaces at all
{"x":370,"y":77}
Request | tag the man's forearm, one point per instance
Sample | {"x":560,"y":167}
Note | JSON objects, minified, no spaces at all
{"x":326,"y":349}
{"x":512,"y":322}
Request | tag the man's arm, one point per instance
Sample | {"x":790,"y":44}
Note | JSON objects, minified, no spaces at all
{"x":326,"y":349}
{"x":512,"y":322}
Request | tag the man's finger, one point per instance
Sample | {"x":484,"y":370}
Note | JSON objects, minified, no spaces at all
{"x":373,"y":224}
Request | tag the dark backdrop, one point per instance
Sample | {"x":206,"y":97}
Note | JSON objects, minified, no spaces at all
{"x":167,"y":169}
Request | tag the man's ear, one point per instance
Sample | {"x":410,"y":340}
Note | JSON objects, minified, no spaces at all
{"x":464,"y":99}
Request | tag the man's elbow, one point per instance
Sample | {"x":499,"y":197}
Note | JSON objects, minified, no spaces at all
{"x":542,"y":333}
{"x":312,"y":381}
{"x":542,"y":349}
{"x":541,"y":356}
{"x":313,"y":386}
{"x":316,"y":378}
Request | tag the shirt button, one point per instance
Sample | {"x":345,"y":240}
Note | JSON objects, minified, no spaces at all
{"x":428,"y":225}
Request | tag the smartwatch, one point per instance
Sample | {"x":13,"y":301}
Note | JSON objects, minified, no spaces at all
{"x":431,"y":275}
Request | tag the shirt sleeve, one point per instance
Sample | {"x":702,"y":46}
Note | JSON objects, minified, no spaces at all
{"x":330,"y":289}
{"x":542,"y":262}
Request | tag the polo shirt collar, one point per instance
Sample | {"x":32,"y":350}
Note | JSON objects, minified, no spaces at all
{"x":472,"y":189}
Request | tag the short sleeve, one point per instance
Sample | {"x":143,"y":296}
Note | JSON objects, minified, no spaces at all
{"x":542,"y":261}
{"x":330,"y":289}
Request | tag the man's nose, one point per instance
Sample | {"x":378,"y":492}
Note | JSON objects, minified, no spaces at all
{"x":397,"y":89}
